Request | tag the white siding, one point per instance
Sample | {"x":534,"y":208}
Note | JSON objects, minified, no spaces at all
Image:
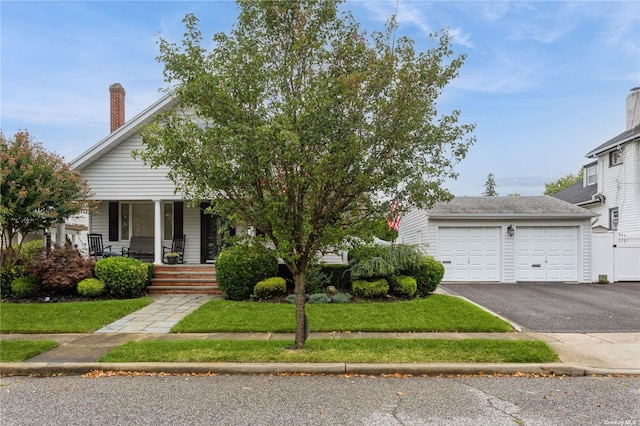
{"x":414,"y":229}
{"x":116,"y":175}
{"x":621,"y":187}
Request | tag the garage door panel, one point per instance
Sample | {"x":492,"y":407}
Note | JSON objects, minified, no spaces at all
{"x":469,"y":253}
{"x":547,"y":254}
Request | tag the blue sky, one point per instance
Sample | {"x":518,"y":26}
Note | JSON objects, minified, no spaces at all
{"x":545,"y":82}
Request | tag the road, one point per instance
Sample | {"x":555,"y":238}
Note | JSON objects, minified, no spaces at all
{"x":319,"y":400}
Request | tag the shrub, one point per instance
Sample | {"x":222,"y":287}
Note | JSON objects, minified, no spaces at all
{"x":338,"y":274}
{"x":341,"y":298}
{"x":383,"y":261}
{"x":123,"y":277}
{"x":25,"y":287}
{"x":31,"y":251}
{"x":240,"y":267}
{"x":318,"y":298}
{"x":270,"y":288}
{"x":402,"y":285}
{"x":290,"y":298}
{"x":316,"y":280}
{"x":61,"y":270}
{"x":371,"y":289}
{"x":90,"y":287}
{"x":7,"y":275}
{"x":428,"y":275}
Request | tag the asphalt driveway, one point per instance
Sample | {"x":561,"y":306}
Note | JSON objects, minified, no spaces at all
{"x":559,"y":308}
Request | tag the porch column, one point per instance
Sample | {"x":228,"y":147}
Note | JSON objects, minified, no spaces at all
{"x":157,"y":235}
{"x":61,"y":233}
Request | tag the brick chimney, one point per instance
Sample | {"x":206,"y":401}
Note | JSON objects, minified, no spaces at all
{"x":633,"y":108}
{"x":117,"y":106}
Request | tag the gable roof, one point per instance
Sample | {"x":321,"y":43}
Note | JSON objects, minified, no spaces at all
{"x":622,"y":138}
{"x":577,"y":194}
{"x":530,"y":207}
{"x":128,"y":129}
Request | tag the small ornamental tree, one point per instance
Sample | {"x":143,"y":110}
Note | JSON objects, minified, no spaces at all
{"x":38,"y":190}
{"x":302,"y":125}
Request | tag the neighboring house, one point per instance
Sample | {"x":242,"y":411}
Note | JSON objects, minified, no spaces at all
{"x":611,"y":182}
{"x":504,"y":239}
{"x":137,"y":200}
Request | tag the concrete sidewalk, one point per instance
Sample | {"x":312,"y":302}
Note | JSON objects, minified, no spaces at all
{"x":580,"y":354}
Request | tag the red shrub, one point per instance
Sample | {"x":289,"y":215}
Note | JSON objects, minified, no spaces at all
{"x":61,"y":270}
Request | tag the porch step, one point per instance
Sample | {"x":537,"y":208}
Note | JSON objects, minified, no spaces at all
{"x":184,"y":279}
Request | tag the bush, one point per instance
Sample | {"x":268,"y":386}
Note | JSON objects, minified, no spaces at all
{"x":318,"y":298}
{"x":341,"y":298}
{"x":270,"y":288}
{"x":290,"y":298}
{"x":90,"y":287}
{"x":338,"y":274}
{"x":316,"y":280}
{"x":239,"y":268}
{"x":25,"y":287}
{"x":123,"y":277}
{"x":7,"y":275}
{"x":383,"y":261}
{"x":61,"y":270}
{"x":371,"y":289}
{"x":428,"y":275}
{"x":402,"y":286}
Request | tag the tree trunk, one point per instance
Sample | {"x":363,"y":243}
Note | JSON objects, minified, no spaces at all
{"x":298,"y":278}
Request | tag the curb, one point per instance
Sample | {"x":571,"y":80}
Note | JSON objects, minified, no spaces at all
{"x":78,"y":368}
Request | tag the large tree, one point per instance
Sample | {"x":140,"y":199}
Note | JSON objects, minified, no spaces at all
{"x":300,"y":124}
{"x":38,"y":190}
{"x":552,"y":188}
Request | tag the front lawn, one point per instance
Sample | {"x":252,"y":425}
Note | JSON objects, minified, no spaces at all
{"x":19,"y":350}
{"x":343,"y":351}
{"x":434,"y":313}
{"x":65,"y":317}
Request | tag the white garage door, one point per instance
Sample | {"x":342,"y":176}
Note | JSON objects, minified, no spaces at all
{"x":547,"y":253}
{"x":469,"y":253}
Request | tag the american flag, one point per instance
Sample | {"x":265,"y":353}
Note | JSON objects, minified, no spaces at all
{"x":393,"y":218}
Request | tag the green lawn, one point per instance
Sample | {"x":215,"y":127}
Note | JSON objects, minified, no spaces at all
{"x":343,"y":351}
{"x":19,"y":350}
{"x":65,"y":317}
{"x":434,"y":313}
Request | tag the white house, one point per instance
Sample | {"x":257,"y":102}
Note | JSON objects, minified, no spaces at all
{"x":611,"y":181}
{"x":611,"y":188}
{"x":504,"y":239}
{"x":138,"y":201}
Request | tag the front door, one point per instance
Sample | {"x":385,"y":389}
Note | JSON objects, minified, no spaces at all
{"x":210,"y":236}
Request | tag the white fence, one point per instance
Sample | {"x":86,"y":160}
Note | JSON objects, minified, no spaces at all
{"x":616,"y":256}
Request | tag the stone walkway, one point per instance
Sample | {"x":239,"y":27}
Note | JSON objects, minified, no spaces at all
{"x":159,"y":316}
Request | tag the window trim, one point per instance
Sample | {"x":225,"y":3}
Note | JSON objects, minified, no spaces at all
{"x":593,"y":167}
{"x":615,"y":153}
{"x":614,"y":212}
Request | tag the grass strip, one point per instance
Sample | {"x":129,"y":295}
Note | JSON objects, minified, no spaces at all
{"x":434,"y":313}
{"x":347,"y":351}
{"x":65,"y":317}
{"x":19,"y":350}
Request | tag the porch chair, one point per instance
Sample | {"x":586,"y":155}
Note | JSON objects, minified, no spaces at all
{"x":177,"y":246}
{"x":97,"y":249}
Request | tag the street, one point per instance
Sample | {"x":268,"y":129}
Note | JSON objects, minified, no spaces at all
{"x":319,"y":400}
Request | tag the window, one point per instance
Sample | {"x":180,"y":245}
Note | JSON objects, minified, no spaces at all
{"x":137,"y":219}
{"x":590,"y":174}
{"x":615,"y":157}
{"x":613,"y":219}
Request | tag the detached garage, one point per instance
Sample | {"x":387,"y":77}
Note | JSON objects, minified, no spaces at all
{"x":504,"y":239}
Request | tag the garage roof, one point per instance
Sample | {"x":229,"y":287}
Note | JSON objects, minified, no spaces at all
{"x":541,"y":207}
